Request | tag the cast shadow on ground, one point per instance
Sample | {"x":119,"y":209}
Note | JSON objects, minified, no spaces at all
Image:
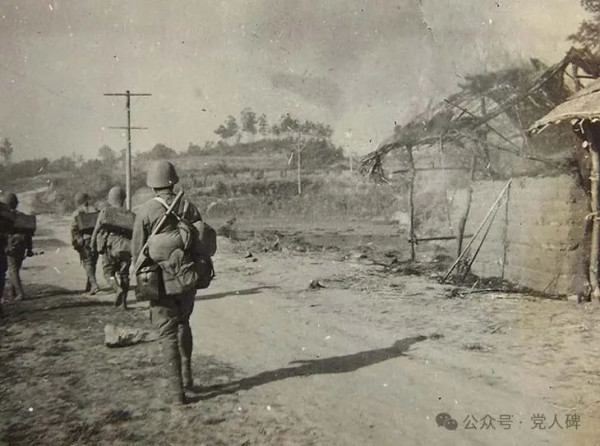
{"x":334,"y":364}
{"x":246,"y":292}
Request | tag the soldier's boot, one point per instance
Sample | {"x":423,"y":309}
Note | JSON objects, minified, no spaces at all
{"x":125,"y":290}
{"x":117,"y":290}
{"x":88,"y":285}
{"x":172,"y":370}
{"x":184,"y":335}
{"x":16,"y":284}
{"x":89,"y":271}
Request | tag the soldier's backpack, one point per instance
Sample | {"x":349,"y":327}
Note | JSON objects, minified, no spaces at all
{"x":184,"y":255}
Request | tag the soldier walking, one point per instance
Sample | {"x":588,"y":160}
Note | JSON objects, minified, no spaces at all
{"x":18,"y":246}
{"x":115,"y":247}
{"x":170,"y":314}
{"x":82,"y":242}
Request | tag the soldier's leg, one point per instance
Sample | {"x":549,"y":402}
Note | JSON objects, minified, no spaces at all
{"x":186,"y":340}
{"x":14,"y":264}
{"x":89,"y":265}
{"x":3,"y":267}
{"x":165,"y":319}
{"x":109,"y":267}
{"x":125,"y":264}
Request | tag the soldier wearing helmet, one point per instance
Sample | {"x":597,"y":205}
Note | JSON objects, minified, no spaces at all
{"x":17,"y":246}
{"x":82,"y":242}
{"x":115,"y":247}
{"x":169,"y":314}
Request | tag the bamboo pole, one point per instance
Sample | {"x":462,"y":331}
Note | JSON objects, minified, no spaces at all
{"x":411,"y":206}
{"x":505,"y":233}
{"x":463,"y":220}
{"x":492,"y":208}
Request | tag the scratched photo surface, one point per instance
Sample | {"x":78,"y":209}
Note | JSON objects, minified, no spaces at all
{"x":283,"y":222}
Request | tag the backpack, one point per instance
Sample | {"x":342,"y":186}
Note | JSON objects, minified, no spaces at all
{"x":184,"y":254}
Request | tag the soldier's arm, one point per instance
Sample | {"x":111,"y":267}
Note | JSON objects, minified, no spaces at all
{"x":139,"y":235}
{"x":99,"y":222}
{"x":74,"y":228}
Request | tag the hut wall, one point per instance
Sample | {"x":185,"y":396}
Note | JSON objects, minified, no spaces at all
{"x":545,"y":236}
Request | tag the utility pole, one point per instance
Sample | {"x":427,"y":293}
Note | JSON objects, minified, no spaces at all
{"x":298,"y":150}
{"x":128,"y":94}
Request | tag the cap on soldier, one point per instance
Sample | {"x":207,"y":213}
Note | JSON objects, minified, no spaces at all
{"x":162,"y":174}
{"x":9,"y":199}
{"x":81,"y":198}
{"x":116,"y":196}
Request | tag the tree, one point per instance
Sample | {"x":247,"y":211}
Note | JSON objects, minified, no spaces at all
{"x":248,"y":120}
{"x":6,"y":150}
{"x":588,"y":34}
{"x":263,"y":125}
{"x":194,"y":149}
{"x":229,"y":129}
{"x":107,"y":155}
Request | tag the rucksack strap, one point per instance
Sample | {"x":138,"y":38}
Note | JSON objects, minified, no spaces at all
{"x":186,"y":205}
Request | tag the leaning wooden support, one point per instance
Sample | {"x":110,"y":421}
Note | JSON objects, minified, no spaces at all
{"x":463,"y":220}
{"x":489,"y":214}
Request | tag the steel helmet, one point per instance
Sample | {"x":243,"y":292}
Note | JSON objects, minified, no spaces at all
{"x":81,"y":198}
{"x":116,"y":196}
{"x":162,"y":174}
{"x":10,"y":199}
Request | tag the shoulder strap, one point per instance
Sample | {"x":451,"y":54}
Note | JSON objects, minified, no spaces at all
{"x":166,"y":206}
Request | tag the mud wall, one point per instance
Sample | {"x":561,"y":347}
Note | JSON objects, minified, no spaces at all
{"x":538,"y":241}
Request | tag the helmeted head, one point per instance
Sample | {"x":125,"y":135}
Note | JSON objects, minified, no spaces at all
{"x":10,"y":200}
{"x":81,"y":198}
{"x":161,"y":175}
{"x":116,"y":196}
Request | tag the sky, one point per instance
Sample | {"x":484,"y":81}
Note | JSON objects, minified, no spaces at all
{"x":359,"y":65}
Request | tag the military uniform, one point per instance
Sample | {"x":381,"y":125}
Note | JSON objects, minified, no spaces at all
{"x":3,"y":267}
{"x":116,"y":258}
{"x":170,"y":315}
{"x":83,"y":245}
{"x":17,"y":247}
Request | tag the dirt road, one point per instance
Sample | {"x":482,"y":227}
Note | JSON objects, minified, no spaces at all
{"x":369,"y":359}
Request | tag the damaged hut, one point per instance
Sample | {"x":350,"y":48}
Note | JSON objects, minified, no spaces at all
{"x":504,"y":205}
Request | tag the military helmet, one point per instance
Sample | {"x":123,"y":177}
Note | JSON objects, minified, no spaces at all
{"x":116,"y":196}
{"x":162,"y":174}
{"x":10,"y":199}
{"x":81,"y":198}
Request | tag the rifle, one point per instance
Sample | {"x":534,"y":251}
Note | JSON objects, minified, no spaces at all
{"x":169,"y":211}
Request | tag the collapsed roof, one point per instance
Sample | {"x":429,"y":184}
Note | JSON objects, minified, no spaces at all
{"x":502,"y":104}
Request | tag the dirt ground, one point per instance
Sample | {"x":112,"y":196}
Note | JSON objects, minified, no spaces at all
{"x":371,"y":358}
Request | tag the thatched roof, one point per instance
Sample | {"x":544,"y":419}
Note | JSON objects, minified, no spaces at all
{"x":585,"y":104}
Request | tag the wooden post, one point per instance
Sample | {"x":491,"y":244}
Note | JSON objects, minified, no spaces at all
{"x":411,"y":206}
{"x":591,"y":133}
{"x":463,"y":220}
{"x":298,"y":150}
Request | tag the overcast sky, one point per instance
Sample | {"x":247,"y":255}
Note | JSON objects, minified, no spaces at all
{"x":359,"y":65}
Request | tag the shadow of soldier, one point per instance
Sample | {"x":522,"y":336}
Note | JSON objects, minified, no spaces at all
{"x":308,"y":367}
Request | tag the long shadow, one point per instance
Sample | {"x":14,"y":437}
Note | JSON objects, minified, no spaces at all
{"x":66,"y":305}
{"x":246,"y":292}
{"x":308,"y":367}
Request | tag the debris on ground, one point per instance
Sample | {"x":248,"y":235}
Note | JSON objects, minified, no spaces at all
{"x":315,"y":285}
{"x":121,"y":336}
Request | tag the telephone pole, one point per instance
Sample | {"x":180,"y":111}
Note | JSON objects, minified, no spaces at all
{"x":128,"y":94}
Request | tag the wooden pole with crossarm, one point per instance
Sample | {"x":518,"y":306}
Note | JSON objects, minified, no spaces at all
{"x":128,"y":94}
